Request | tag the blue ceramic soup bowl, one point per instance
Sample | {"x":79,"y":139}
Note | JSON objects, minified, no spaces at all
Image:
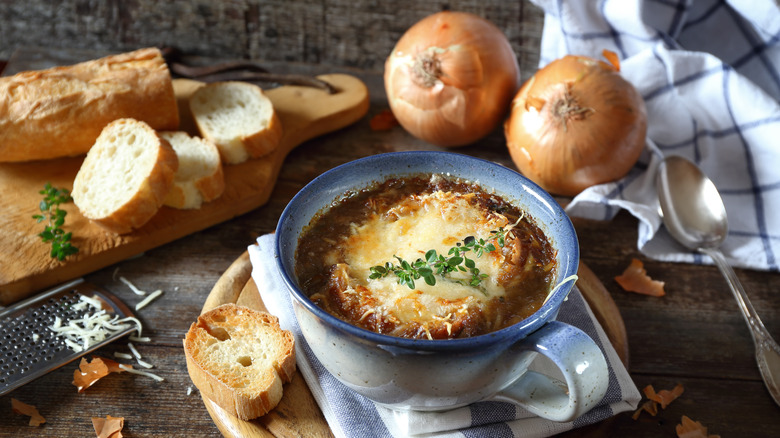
{"x":433,"y":375}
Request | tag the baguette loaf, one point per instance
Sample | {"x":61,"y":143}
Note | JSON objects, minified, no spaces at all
{"x":238,"y":358}
{"x":125,"y":177}
{"x":199,"y":178}
{"x":238,"y":117}
{"x":60,"y":111}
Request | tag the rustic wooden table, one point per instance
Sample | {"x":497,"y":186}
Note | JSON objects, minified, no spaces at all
{"x":694,"y":335}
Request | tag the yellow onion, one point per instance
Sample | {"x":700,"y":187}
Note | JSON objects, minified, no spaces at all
{"x":576,"y":123}
{"x":450,"y":78}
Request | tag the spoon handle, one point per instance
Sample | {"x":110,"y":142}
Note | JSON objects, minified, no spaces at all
{"x":767,"y":349}
{"x":757,"y":329}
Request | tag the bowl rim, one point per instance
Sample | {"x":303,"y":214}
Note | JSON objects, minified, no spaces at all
{"x":509,"y":334}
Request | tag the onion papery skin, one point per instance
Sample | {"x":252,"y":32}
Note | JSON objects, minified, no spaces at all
{"x":576,"y":123}
{"x":451,"y":78}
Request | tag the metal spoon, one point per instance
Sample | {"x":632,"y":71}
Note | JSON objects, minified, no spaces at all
{"x":694,"y":214}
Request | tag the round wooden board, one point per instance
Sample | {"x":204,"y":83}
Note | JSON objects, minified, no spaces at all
{"x":298,"y":415}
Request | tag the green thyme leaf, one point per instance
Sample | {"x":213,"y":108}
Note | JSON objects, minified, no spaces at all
{"x":436,"y":264}
{"x":53,"y":232}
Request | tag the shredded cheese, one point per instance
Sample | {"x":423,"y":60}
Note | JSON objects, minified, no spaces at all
{"x":133,"y":350}
{"x":368,"y":312}
{"x":135,"y":320}
{"x":132,"y":286}
{"x":148,"y":299}
{"x":140,"y":372}
{"x":144,"y":363}
{"x":82,"y":333}
{"x":572,"y":277}
{"x":97,"y":325}
{"x":138,"y":357}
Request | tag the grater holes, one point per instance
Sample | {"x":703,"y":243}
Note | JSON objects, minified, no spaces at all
{"x":28,"y":346}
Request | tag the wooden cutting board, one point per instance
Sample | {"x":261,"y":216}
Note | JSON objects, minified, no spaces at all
{"x":25,"y":265}
{"x":297,"y":415}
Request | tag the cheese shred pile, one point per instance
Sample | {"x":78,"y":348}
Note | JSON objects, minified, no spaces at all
{"x":94,"y":327}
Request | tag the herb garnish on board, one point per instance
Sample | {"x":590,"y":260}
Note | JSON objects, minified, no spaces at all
{"x":50,"y":209}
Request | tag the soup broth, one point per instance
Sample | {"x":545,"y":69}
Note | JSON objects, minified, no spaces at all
{"x":369,"y":259}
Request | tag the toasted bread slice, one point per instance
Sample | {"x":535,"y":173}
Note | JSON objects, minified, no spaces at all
{"x":199,"y":178}
{"x":125,"y":177}
{"x":239,"y":358}
{"x":238,"y":117}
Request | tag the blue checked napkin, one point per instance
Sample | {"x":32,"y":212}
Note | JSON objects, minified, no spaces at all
{"x":709,"y":71}
{"x":351,"y":415}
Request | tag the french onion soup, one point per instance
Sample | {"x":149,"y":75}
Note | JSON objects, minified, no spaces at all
{"x":425,"y":257}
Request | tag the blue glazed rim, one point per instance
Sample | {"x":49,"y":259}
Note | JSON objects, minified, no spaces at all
{"x":361,"y":173}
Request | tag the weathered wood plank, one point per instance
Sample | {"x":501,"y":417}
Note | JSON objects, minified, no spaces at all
{"x":336,"y":32}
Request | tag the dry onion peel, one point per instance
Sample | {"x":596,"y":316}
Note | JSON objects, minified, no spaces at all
{"x":692,"y":429}
{"x":576,"y":123}
{"x":22,"y":408}
{"x":635,"y":279}
{"x":109,"y":427}
{"x":90,"y":372}
{"x":664,"y":396}
{"x":450,"y":78}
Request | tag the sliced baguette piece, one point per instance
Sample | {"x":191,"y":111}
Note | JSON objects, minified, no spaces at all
{"x":200,"y":177}
{"x":125,"y":177}
{"x":183,"y":89}
{"x":238,"y":358}
{"x":238,"y":117}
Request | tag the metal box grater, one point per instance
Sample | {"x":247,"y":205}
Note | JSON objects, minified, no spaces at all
{"x":29,"y":349}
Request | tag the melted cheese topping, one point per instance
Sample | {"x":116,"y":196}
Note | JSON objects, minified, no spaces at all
{"x":433,"y":221}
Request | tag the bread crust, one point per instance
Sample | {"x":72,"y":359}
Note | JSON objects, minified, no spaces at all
{"x":220,"y":388}
{"x":147,"y":199}
{"x":237,"y":149}
{"x":60,"y":111}
{"x":264,"y":142}
{"x":210,"y":188}
{"x":190,"y":192}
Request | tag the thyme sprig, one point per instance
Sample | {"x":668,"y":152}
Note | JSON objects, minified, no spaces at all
{"x":53,"y":232}
{"x":434,"y":264}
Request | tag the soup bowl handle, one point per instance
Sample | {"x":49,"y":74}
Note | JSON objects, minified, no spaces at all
{"x":582,"y":364}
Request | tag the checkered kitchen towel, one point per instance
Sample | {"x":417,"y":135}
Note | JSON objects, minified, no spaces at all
{"x":709,"y":71}
{"x":351,"y":415}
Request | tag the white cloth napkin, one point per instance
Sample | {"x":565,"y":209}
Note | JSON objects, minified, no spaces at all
{"x":709,"y":71}
{"x":351,"y":415}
